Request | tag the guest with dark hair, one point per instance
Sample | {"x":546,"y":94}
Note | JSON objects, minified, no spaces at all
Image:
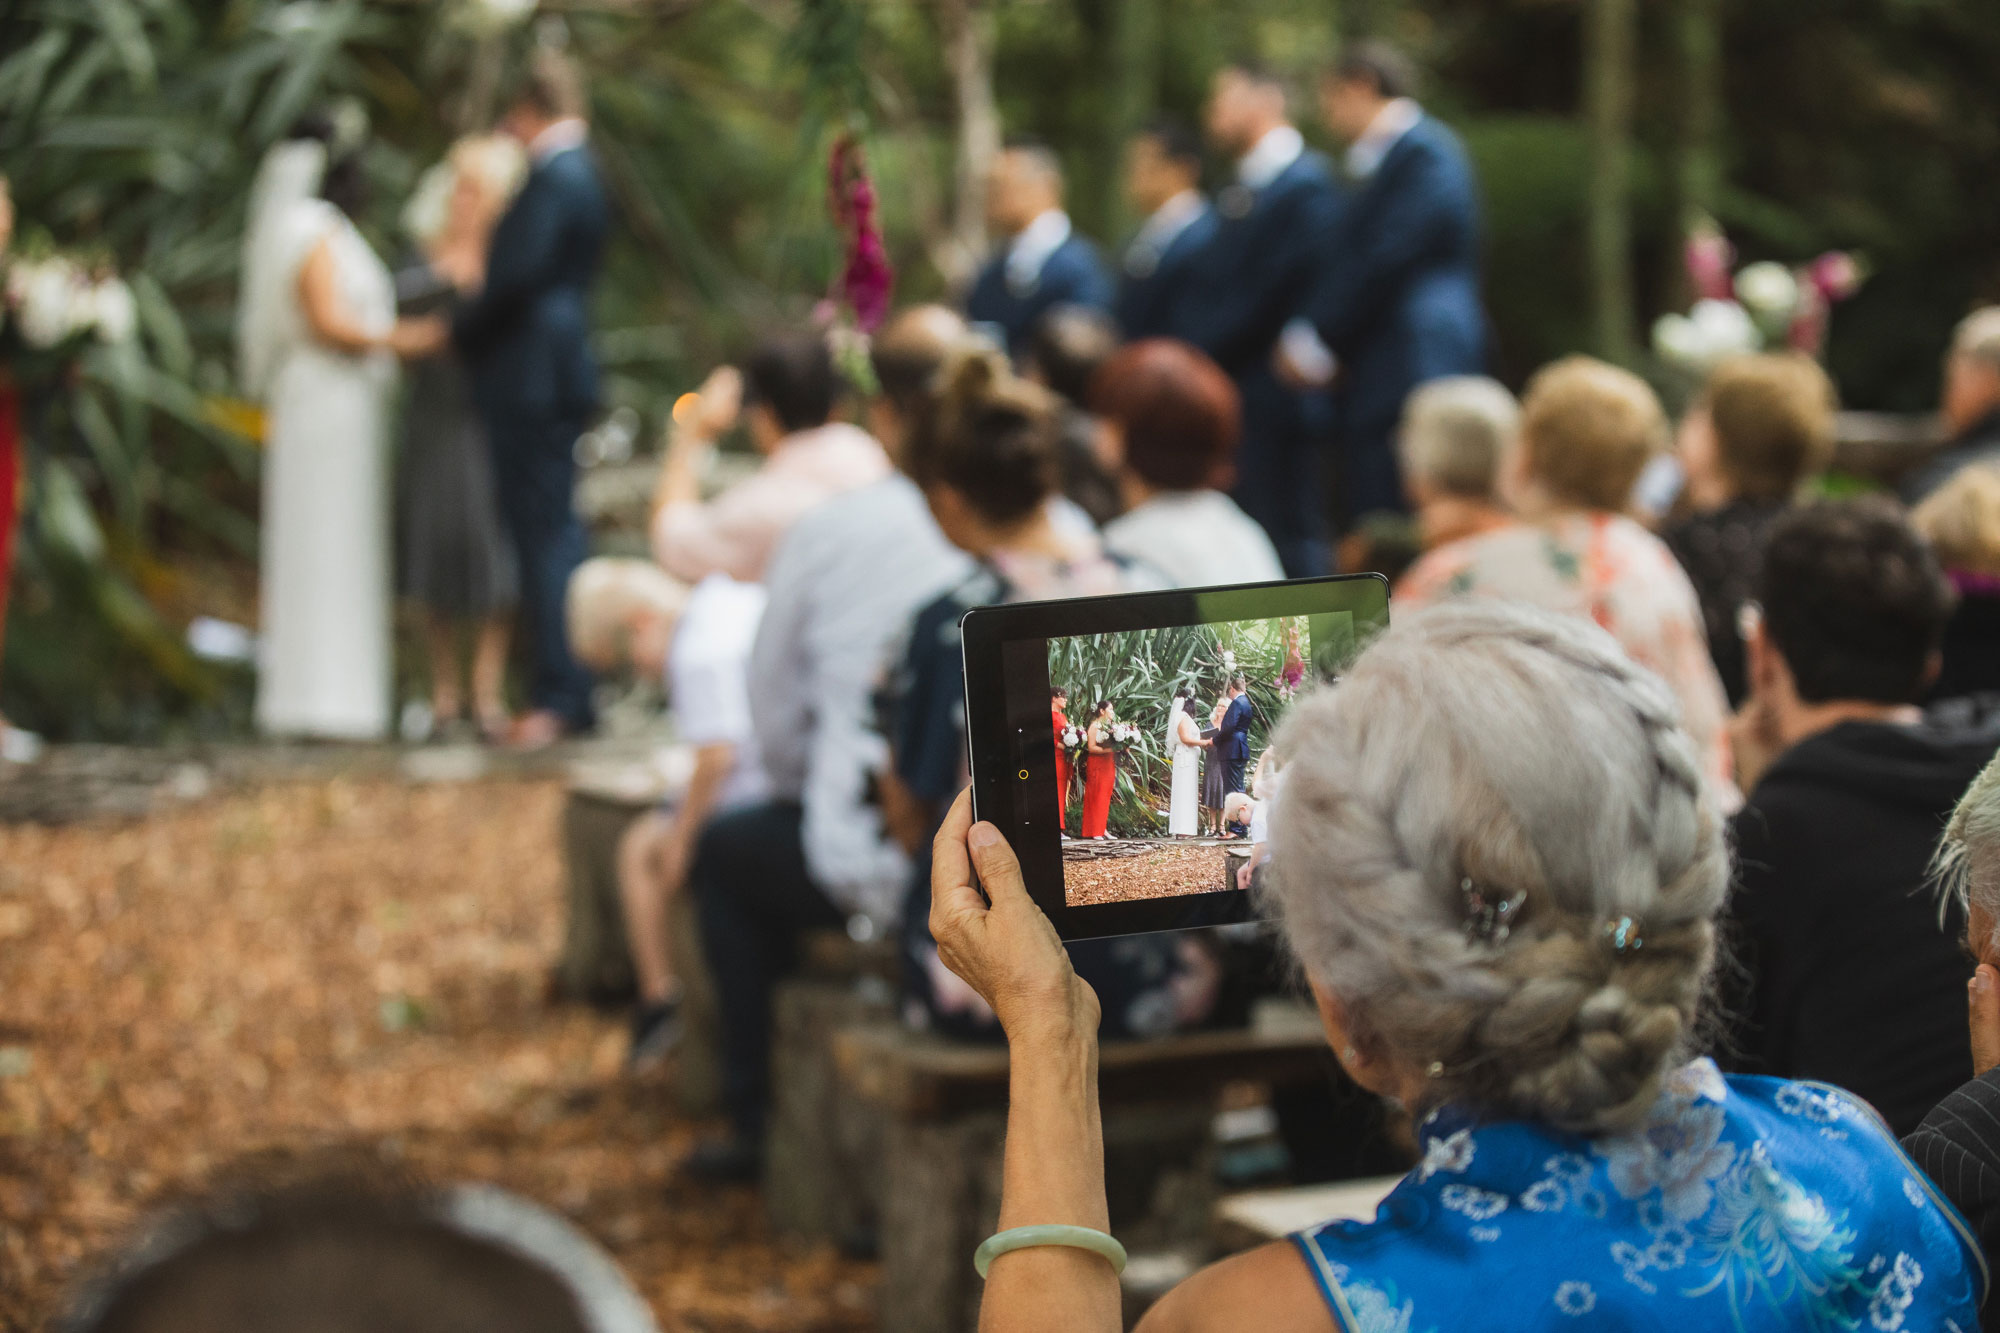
{"x":1397,"y":300}
{"x":1044,"y":262}
{"x":1063,"y":354}
{"x":1158,"y":296}
{"x":786,"y":394}
{"x":1961,"y":520}
{"x":842,"y":585}
{"x":1269,"y":247}
{"x":1169,"y":424}
{"x":1846,"y":972}
{"x":1762,"y":425}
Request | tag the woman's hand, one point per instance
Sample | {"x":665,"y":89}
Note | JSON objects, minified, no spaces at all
{"x":1009,"y":951}
{"x":414,"y":339}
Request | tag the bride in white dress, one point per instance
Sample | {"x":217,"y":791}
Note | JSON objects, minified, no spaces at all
{"x":316,"y":333}
{"x":1184,"y":747}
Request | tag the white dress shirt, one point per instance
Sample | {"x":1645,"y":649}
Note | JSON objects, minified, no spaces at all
{"x":708,"y":680}
{"x":1031,"y":247}
{"x":1397,"y":118}
{"x":844,"y":584}
{"x":1278,"y":149}
{"x":1157,"y":234}
{"x":558,"y":137}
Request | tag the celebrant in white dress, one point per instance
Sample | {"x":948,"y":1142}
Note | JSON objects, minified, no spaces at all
{"x":1184,"y":747}
{"x":317,"y":333}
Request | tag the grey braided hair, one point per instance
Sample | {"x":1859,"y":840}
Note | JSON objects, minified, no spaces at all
{"x":1522,"y":753}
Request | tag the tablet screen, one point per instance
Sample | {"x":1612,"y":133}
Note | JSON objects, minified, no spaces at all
{"x":1124,"y":743}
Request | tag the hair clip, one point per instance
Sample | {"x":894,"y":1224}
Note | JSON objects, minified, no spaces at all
{"x":1489,"y":919}
{"x":1623,"y":936}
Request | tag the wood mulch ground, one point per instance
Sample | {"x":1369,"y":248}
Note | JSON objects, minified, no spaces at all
{"x":1163,"y":872}
{"x":339,"y":968}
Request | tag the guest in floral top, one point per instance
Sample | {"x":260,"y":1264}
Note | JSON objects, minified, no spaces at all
{"x":1761,"y":427}
{"x":987,"y":459}
{"x":1587,"y":429}
{"x":1505,"y":907}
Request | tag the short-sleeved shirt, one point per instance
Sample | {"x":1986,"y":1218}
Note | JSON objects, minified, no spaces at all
{"x":708,"y":679}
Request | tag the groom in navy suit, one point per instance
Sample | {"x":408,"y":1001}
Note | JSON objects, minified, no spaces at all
{"x":526,"y":340}
{"x":1232,"y":737}
{"x":1044,"y":263}
{"x":1398,"y":302}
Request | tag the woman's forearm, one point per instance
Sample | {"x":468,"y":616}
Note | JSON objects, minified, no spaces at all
{"x":326,"y":313}
{"x":1054,"y":1173}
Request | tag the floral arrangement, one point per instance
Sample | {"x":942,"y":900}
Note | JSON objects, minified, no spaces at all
{"x":1122,"y":736}
{"x":1763,"y":305}
{"x":1071,"y":740}
{"x":858,"y":300}
{"x":54,"y":304}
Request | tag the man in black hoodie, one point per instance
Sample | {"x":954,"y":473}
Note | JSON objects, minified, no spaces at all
{"x":1842,"y":971}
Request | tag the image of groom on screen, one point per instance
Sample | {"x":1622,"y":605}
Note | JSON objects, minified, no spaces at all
{"x":526,"y":339}
{"x":1232,"y":736}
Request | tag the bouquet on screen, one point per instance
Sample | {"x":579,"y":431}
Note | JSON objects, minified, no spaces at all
{"x":1071,"y":740}
{"x":1122,"y":736}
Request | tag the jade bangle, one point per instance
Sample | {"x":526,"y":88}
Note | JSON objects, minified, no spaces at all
{"x":1026,"y":1238}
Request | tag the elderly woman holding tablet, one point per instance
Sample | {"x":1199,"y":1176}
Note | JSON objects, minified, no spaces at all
{"x":1499,"y":866}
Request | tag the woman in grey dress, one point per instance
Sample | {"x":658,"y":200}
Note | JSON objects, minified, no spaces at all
{"x":457,"y":563}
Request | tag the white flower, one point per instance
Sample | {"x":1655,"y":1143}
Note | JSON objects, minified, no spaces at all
{"x":1452,"y":1153}
{"x":1913,"y":1192}
{"x":1374,"y":1311}
{"x":1478,"y":1204}
{"x":1675,"y":339}
{"x":1725,"y":329}
{"x":1797,"y":1099}
{"x":1545,"y":1196}
{"x":1768,"y":289}
{"x":113,"y":311}
{"x":1576,"y":1298}
{"x":1678,"y":1151}
{"x":1484,"y":1235}
{"x":1896,"y":1294}
{"x":1699,"y":1080}
{"x":50,"y":300}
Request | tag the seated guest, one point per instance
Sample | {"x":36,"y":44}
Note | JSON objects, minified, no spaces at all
{"x":984,"y":454}
{"x":1504,"y":905}
{"x":1961,"y":521}
{"x":1971,"y":406}
{"x":786,"y":393}
{"x":1762,"y":426}
{"x":1958,"y":1143}
{"x":1587,"y":429}
{"x":631,"y":614}
{"x":1454,"y":433}
{"x":342,"y":1257}
{"x":1158,"y":283}
{"x":1169,"y":421}
{"x":1044,"y":263}
{"x":842,"y":585}
{"x":1845,"y":971}
{"x":1064,"y":351}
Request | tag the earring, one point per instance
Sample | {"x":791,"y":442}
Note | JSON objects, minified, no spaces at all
{"x":1348,"y":1055}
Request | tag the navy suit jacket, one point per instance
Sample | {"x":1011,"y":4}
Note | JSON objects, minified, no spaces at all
{"x":526,"y":335}
{"x":1232,"y":738}
{"x":1073,"y":274}
{"x":1157,"y":294}
{"x":1398,"y":299}
{"x":1268,"y":247}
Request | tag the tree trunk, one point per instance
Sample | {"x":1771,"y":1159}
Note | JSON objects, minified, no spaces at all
{"x":967,"y":26}
{"x":1610,"y":53}
{"x":1698,"y":138}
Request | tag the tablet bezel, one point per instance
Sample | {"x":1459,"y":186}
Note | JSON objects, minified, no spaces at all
{"x":999,"y":770}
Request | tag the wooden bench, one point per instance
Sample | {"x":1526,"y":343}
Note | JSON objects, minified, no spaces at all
{"x":939,"y":1115}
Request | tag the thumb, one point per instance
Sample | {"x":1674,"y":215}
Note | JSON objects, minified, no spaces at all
{"x":1983,"y":1018}
{"x":999,"y":869}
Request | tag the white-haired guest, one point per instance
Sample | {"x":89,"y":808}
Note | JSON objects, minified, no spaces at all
{"x":1958,"y":1143}
{"x":1505,"y":904}
{"x":631,"y":614}
{"x":457,"y":561}
{"x":1453,"y":435}
{"x":1970,"y":404}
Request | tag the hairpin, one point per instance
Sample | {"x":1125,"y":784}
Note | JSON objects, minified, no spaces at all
{"x":1489,"y":919}
{"x":1623,"y":936}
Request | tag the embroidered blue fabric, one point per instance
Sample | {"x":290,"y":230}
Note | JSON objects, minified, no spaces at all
{"x":1738,"y":1204}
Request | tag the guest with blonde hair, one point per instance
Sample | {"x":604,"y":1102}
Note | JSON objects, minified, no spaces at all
{"x":1587,"y":430}
{"x":1505,"y":908}
{"x":1961,"y":521}
{"x":457,"y":561}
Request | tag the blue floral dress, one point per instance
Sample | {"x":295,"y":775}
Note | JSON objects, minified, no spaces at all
{"x":1739,"y":1204}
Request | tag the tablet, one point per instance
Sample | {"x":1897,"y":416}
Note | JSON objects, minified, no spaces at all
{"x":1072,"y":719}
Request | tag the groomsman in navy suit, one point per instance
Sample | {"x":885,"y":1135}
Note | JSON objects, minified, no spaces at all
{"x":1044,"y":262}
{"x":526,"y":340}
{"x":1156,"y":294}
{"x":1397,"y":303}
{"x":1273,"y":221}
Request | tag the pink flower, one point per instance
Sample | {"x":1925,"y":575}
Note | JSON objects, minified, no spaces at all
{"x":866,"y":280}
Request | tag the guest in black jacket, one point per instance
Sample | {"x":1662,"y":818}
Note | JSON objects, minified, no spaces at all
{"x":1157,"y":296}
{"x":1043,"y":263}
{"x":1762,"y":425}
{"x":1961,"y":520}
{"x":1958,"y":1144}
{"x":1845,"y":972}
{"x":1971,"y":405}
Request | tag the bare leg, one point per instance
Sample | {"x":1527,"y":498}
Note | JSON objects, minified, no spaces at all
{"x":647,"y":893}
{"x":446,"y":700}
{"x":489,"y":675}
